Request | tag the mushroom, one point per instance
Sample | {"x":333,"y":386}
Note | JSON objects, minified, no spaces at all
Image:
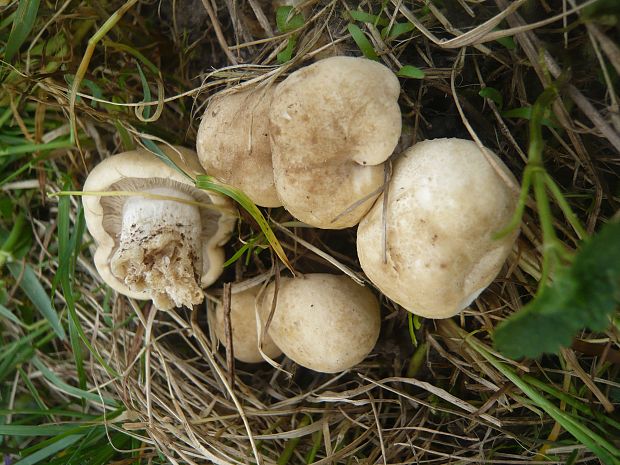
{"x":161,"y":245}
{"x":233,"y":143}
{"x":332,"y":125}
{"x":245,"y":336}
{"x":445,"y":202}
{"x":324,"y":322}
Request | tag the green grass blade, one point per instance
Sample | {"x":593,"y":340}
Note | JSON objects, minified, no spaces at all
{"x":411,"y":72}
{"x":22,"y":25}
{"x":292,"y":443}
{"x":68,"y":246}
{"x":68,"y":389}
{"x":50,"y":450}
{"x":603,"y":449}
{"x":6,"y":313}
{"x":34,"y":430}
{"x":37,"y":295}
{"x":209,"y":183}
{"x":364,"y":17}
{"x":34,"y":393}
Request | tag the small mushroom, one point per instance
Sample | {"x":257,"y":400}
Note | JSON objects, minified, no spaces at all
{"x":324,"y":322}
{"x":245,"y":336}
{"x":332,"y":125}
{"x":445,"y":202}
{"x":164,"y":249}
{"x":233,"y":143}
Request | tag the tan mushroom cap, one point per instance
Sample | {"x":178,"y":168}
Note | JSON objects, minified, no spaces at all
{"x":140,"y":170}
{"x":445,"y":203}
{"x":332,"y":125}
{"x":233,"y":143}
{"x":245,"y":336}
{"x":324,"y":322}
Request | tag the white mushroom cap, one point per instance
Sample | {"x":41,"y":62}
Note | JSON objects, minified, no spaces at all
{"x":445,"y":202}
{"x":332,"y":125}
{"x":245,"y":336}
{"x":233,"y":143}
{"x":324,"y":322}
{"x":114,"y":220}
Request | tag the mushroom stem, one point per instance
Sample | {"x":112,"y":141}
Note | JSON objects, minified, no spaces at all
{"x":159,"y":249}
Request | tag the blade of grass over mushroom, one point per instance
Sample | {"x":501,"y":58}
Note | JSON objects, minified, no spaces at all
{"x":209,"y":183}
{"x":148,"y":195}
{"x":583,"y":295}
{"x":362,"y":42}
{"x":34,"y":290}
{"x":154,"y":148}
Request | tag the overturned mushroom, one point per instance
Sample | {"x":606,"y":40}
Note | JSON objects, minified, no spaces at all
{"x":164,"y":242}
{"x":245,"y":336}
{"x":332,"y":125}
{"x":445,"y":202}
{"x":324,"y":322}
{"x":233,"y":143}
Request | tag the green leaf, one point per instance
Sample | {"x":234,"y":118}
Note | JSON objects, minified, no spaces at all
{"x":396,"y":30}
{"x":492,"y":94}
{"x":287,"y":22}
{"x":583,"y":295}
{"x":364,"y":17}
{"x":37,"y":295}
{"x":23,"y":22}
{"x":286,"y":54}
{"x":412,"y":72}
{"x":362,"y":42}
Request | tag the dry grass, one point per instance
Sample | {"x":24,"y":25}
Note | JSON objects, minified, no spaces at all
{"x":439,"y":402}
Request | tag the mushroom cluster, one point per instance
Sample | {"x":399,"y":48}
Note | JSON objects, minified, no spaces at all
{"x":425,"y":240}
{"x":314,"y":144}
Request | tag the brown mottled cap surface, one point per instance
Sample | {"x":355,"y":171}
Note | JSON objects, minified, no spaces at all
{"x":332,"y":125}
{"x":233,"y":143}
